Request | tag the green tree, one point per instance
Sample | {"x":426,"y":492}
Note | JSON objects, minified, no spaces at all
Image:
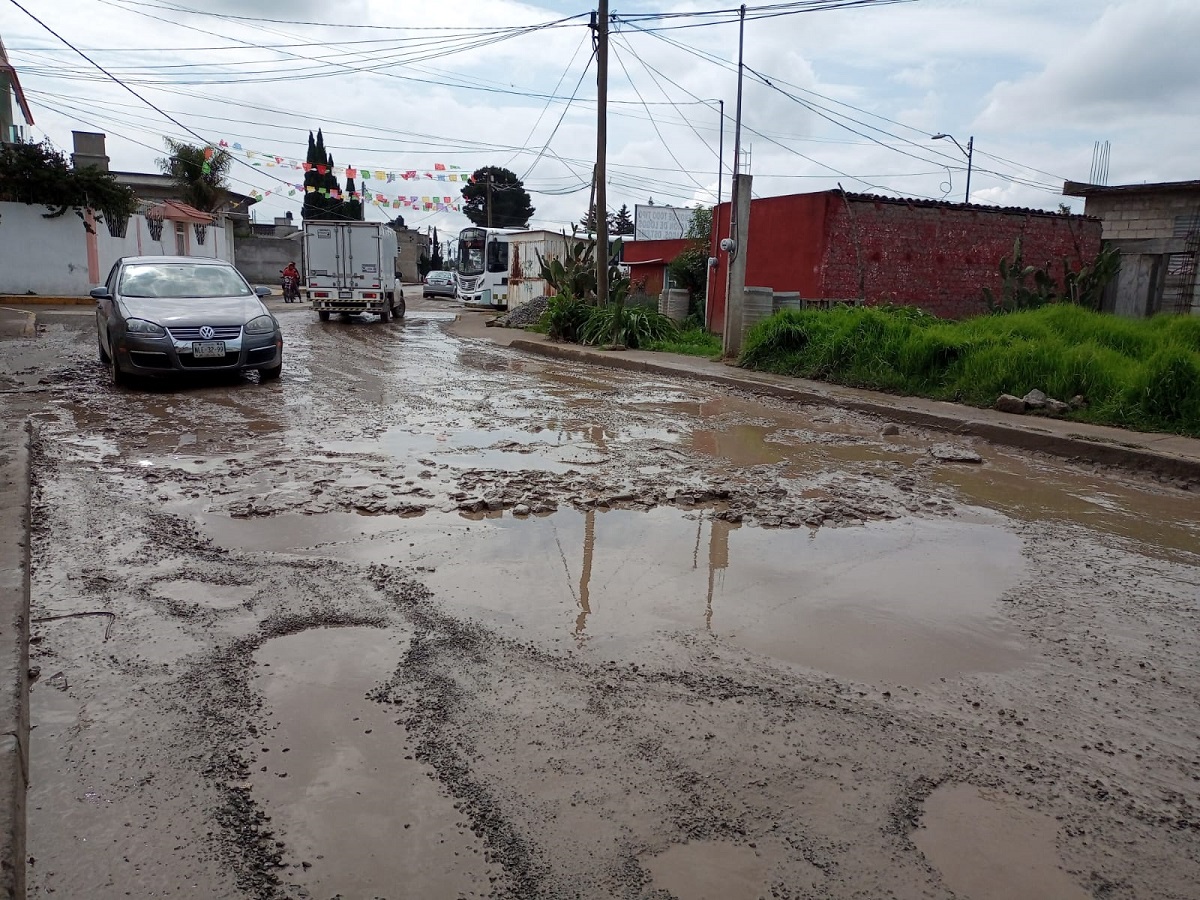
{"x":37,"y":173}
{"x":200,"y":173}
{"x":510,"y":203}
{"x":622,"y":223}
{"x":436,"y":262}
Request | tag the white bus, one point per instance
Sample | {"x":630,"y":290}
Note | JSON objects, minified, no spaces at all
{"x":483,"y":266}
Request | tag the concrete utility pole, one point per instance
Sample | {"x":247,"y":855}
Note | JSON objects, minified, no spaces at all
{"x":601,"y":154}
{"x":714,"y":242}
{"x":489,"y":198}
{"x":735,"y":274}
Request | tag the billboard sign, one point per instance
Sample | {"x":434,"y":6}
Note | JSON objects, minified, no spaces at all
{"x":660,"y":223}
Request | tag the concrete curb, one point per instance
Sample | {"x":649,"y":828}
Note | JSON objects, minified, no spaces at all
{"x":1072,"y":447}
{"x":14,"y":657}
{"x":38,"y":300}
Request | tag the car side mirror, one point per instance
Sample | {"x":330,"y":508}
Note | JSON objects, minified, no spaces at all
{"x":99,"y":293}
{"x":263,"y":291}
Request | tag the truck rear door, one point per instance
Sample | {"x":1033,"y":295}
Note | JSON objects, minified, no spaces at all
{"x":323,"y":255}
{"x":363,"y":265}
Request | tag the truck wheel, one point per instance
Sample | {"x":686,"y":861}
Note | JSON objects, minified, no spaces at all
{"x":384,"y":315}
{"x":323,"y":315}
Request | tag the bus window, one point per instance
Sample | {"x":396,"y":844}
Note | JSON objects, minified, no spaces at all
{"x":497,"y":256}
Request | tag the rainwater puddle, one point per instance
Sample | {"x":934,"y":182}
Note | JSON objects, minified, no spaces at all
{"x":341,"y":793}
{"x":294,"y":531}
{"x":212,"y":596}
{"x":989,"y":847}
{"x":712,"y":870}
{"x":1164,"y":522}
{"x":906,"y":601}
{"x":504,"y":449}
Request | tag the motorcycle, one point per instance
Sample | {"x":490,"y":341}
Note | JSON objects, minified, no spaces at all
{"x":291,"y":289}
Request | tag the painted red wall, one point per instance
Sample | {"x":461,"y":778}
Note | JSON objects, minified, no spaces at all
{"x":635,"y":253}
{"x":932,"y":255}
{"x":787,"y":243}
{"x":940,"y":257}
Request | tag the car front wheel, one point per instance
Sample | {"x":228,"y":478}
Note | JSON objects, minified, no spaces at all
{"x":270,"y":373}
{"x":104,"y":360}
{"x":119,"y":378}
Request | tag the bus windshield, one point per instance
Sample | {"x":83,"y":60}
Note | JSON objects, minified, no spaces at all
{"x":471,"y":244}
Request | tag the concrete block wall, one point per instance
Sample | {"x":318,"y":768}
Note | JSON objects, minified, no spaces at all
{"x":941,"y":257}
{"x":1136,"y":216}
{"x":261,"y":259}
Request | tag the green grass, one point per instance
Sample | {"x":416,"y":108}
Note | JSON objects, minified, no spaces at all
{"x":1142,"y":374}
{"x":692,"y":342}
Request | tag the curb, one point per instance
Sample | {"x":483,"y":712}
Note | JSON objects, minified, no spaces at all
{"x":14,"y":659}
{"x":39,"y":300}
{"x":1023,"y":438}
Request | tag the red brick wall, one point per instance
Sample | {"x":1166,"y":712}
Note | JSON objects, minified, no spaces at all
{"x":940,"y":258}
{"x":787,"y":243}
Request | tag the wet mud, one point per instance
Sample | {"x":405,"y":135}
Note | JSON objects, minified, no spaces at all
{"x":426,"y":618}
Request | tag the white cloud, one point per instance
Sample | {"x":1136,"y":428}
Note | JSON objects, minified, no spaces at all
{"x":1032,"y":82}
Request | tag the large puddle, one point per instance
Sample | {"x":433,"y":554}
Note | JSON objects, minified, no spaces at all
{"x":905,"y":601}
{"x":987,"y":846}
{"x":358,"y":815}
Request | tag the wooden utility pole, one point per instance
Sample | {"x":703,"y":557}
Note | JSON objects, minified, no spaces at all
{"x":601,"y":155}
{"x":489,"y":196}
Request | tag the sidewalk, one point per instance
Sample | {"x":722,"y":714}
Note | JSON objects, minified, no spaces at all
{"x":1164,"y":454}
{"x":14,"y":655}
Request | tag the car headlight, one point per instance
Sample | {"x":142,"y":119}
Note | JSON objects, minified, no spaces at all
{"x":141,"y":326}
{"x":260,"y":325}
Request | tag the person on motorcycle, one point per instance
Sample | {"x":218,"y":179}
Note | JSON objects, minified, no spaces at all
{"x":291,"y":283}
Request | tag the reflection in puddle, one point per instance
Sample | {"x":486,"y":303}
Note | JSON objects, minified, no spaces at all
{"x":358,"y":815}
{"x":989,"y":847}
{"x":900,"y":601}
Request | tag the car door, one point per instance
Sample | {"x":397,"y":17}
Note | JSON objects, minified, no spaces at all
{"x":104,"y":308}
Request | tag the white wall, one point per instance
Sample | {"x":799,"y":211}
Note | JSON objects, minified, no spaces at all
{"x":50,"y":256}
{"x":45,"y":256}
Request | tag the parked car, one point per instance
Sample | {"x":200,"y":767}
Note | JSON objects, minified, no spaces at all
{"x":440,"y":284}
{"x":163,"y":315}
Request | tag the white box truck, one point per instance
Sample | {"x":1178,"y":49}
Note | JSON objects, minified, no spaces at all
{"x":350,"y":267}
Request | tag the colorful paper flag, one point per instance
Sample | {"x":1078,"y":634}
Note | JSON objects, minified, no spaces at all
{"x":307,"y":167}
{"x":351,"y":172}
{"x":439,"y":167}
{"x":222,"y":143}
{"x":380,"y":175}
{"x":237,"y":146}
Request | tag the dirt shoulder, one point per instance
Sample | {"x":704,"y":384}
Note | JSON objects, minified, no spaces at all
{"x":1166,"y":454}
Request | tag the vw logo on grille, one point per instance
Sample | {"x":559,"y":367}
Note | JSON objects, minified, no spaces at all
{"x":207,"y":333}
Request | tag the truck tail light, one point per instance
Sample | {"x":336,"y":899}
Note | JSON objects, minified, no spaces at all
{"x":370,"y":295}
{"x":324,"y":295}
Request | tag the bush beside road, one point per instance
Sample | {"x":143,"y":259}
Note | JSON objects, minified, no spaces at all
{"x":1140,"y":374}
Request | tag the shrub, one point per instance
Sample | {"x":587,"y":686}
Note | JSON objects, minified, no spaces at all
{"x":565,"y":317}
{"x":1139,"y":373}
{"x":634,"y":327}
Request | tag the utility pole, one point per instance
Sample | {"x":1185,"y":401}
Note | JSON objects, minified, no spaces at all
{"x":489,"y":198}
{"x":601,"y":157}
{"x":733,"y":290}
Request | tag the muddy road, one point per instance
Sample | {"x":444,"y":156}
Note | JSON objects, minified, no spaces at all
{"x":430,"y":619}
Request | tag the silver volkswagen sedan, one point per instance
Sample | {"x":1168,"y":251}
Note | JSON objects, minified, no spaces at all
{"x":163,"y":315}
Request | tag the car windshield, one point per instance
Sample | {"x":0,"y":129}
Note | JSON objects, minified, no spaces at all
{"x":177,"y":280}
{"x":439,"y":276}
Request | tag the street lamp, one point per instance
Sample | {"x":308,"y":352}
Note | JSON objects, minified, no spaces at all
{"x":969,"y":153}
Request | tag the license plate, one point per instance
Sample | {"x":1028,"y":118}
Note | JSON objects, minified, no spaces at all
{"x":345,"y":295}
{"x":208,"y":349}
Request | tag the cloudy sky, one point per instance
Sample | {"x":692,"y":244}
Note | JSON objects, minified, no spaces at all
{"x":853,"y":96}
